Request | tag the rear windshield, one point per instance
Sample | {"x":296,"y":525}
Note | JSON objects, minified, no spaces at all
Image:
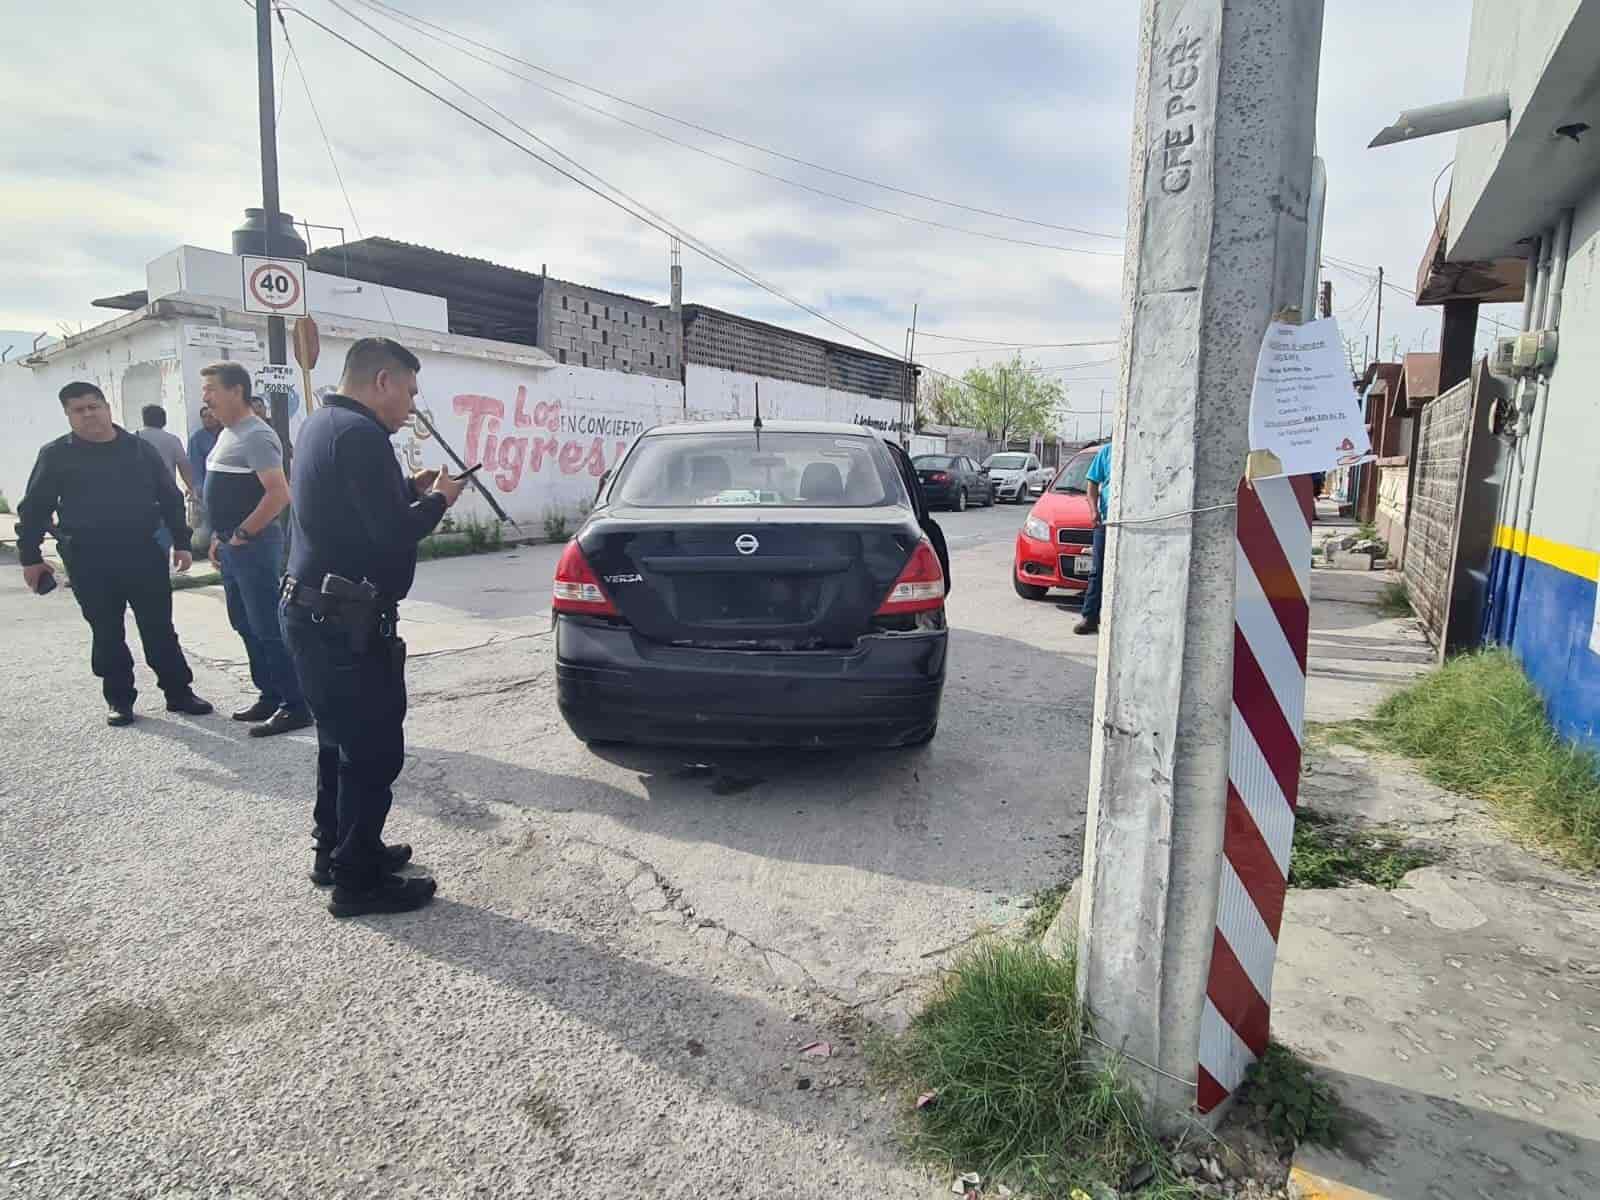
{"x":933,"y":460}
{"x":1007,"y":462}
{"x":788,"y":470}
{"x":1075,"y":476}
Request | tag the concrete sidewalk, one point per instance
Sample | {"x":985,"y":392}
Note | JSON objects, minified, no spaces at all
{"x":1458,"y":1016}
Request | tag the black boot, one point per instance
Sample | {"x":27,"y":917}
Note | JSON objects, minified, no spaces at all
{"x":391,"y":859}
{"x":389,"y":894}
{"x":189,"y":704}
{"x":118,"y":715}
{"x":259,"y":711}
{"x":284,"y":720}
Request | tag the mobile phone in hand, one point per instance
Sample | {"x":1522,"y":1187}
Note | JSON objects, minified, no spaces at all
{"x":47,"y":584}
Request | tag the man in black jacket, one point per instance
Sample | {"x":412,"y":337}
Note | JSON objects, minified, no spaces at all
{"x":109,"y":492}
{"x":357,"y":521}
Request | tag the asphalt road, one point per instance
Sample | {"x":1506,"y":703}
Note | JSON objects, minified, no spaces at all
{"x":609,"y":997}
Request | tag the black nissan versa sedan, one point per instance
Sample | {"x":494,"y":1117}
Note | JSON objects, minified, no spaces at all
{"x":739,"y":585}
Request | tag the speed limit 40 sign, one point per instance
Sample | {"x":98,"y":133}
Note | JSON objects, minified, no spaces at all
{"x":275,"y":286}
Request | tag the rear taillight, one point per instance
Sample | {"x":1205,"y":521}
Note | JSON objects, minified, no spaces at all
{"x":938,"y":477}
{"x":920,"y":587}
{"x":577,"y":589}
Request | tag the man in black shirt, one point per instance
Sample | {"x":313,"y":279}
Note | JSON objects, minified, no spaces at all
{"x":109,"y":492}
{"x":353,"y":555}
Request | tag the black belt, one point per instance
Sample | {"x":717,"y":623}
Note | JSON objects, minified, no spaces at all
{"x":323,"y":605}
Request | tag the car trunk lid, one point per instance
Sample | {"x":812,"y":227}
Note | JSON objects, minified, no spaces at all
{"x":750,"y":580}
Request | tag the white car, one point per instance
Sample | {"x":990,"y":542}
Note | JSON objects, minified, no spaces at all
{"x":1016,"y":476}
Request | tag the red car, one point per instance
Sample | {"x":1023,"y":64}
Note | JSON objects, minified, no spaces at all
{"x":1055,"y":547}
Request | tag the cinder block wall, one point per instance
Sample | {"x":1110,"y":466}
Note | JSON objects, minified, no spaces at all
{"x":588,"y":327}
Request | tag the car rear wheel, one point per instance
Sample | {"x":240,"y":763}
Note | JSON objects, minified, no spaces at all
{"x":1029,"y":591}
{"x":961,"y":500}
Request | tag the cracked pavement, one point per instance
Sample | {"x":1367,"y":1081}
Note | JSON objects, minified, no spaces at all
{"x":628,"y":951}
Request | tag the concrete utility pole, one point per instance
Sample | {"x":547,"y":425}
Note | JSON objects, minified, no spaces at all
{"x":1377,"y":334}
{"x":1223,"y":140}
{"x":277,"y":337}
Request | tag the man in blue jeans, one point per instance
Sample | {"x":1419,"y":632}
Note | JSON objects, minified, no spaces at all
{"x":245,"y":491}
{"x":1099,"y":479}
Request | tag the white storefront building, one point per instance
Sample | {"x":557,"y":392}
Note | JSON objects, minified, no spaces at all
{"x":546,"y":430}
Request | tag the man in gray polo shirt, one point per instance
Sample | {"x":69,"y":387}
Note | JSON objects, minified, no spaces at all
{"x":170,"y":448}
{"x":245,"y":491}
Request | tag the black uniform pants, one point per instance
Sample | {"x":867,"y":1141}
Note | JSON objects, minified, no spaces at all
{"x":107,"y":581}
{"x":359,"y":703}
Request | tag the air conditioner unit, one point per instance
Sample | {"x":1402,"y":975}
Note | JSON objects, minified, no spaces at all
{"x":1535,"y":351}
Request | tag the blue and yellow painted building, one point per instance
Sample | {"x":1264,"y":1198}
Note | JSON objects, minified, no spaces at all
{"x":1530,"y":187}
{"x":1552,"y":631}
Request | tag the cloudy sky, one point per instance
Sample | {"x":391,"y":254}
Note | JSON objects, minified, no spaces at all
{"x":147,"y":138}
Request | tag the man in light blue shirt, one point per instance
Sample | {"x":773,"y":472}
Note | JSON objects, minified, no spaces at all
{"x":1099,"y":479}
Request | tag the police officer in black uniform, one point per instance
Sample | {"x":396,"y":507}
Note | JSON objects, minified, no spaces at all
{"x":353,"y":555}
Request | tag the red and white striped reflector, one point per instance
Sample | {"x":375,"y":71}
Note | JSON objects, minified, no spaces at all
{"x":1272,"y":614}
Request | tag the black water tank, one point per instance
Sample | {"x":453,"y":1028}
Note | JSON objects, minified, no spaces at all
{"x":251,"y":237}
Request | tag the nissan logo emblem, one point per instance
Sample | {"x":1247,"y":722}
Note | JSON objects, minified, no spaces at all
{"x":746,"y":543}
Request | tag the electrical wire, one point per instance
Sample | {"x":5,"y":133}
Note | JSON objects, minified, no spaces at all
{"x":733,"y":162}
{"x":327,"y":142}
{"x":952,"y":337}
{"x":1435,"y":194}
{"x":638,"y":211}
{"x":1018,"y":346}
{"x":727,"y":137}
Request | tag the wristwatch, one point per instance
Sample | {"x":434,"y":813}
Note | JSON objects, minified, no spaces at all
{"x":243,"y":534}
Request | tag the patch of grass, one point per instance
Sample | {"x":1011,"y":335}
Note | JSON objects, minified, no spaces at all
{"x":1016,"y":1095}
{"x":1326,"y":854}
{"x":1046,"y":904}
{"x":195,"y":579}
{"x":1395,"y":600}
{"x":1363,"y":735}
{"x":555,"y":525}
{"x":5,"y":506}
{"x":473,"y":536}
{"x":483,"y":536}
{"x":1290,"y":1102}
{"x":447,"y":546}
{"x":1477,"y":726}
{"x":1366,"y":532}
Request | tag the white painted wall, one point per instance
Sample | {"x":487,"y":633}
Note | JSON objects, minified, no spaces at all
{"x":545,"y":433}
{"x":1567,"y":502}
{"x":137,"y":363}
{"x":210,"y":277}
{"x":1510,"y":45}
{"x":716,"y":394}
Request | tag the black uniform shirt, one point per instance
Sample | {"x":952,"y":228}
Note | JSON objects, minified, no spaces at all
{"x":355,"y":513}
{"x":106,"y":497}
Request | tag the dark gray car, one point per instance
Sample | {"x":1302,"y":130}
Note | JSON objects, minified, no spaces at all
{"x":952,"y":481}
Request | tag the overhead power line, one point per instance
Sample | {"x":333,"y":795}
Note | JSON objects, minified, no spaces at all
{"x":738,"y":141}
{"x":626,"y":204}
{"x":986,"y":347}
{"x":956,"y":337}
{"x":384,"y":10}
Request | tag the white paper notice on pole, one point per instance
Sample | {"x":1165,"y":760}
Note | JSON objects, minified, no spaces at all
{"x":1305,"y":416}
{"x":275,"y":377}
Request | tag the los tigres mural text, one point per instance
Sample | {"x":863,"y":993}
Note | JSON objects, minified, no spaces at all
{"x":542,"y":438}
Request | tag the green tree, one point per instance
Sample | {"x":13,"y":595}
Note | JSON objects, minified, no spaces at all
{"x":941,"y":401}
{"x":1013,"y":400}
